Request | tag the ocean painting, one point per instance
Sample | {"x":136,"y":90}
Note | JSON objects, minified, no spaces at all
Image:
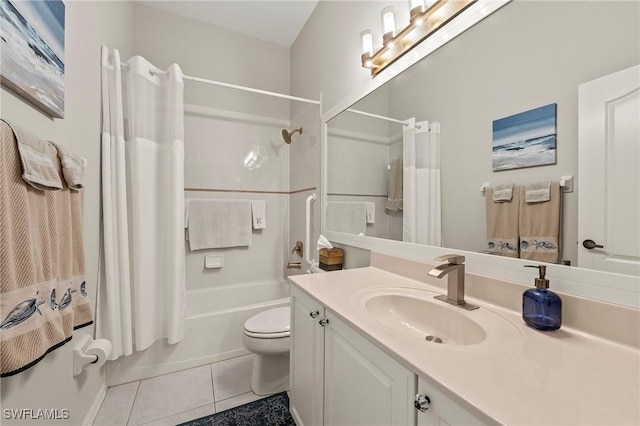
{"x":526,"y":139}
{"x":32,"y":60}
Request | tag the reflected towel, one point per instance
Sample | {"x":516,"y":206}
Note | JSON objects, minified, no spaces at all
{"x":39,"y":164}
{"x":219,"y":223}
{"x":540,"y":225}
{"x":503,"y":192}
{"x":349,"y":217}
{"x":72,"y":167}
{"x":371,"y":212}
{"x":394,"y":187}
{"x":502,"y":224}
{"x":259,"y":214}
{"x":537,"y":192}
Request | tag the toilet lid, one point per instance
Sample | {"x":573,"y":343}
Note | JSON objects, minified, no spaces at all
{"x":271,"y":321}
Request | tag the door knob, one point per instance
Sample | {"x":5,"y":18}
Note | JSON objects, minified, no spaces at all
{"x":314,"y":313}
{"x":323,"y":322}
{"x":590,"y":244}
{"x":421,"y":402}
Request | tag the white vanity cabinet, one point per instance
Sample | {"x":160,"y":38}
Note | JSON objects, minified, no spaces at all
{"x":338,"y":377}
{"x":363,"y":385}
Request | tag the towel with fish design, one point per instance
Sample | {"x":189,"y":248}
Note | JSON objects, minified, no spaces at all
{"x":43,"y":295}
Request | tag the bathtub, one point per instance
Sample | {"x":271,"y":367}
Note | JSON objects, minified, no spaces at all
{"x":213,"y":332}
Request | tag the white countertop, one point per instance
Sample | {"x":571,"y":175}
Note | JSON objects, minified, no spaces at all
{"x":517,"y":375}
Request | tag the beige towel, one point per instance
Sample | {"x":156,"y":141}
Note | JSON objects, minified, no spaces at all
{"x":394,"y":187}
{"x":39,"y":161}
{"x":540,"y":225}
{"x":43,"y":294}
{"x":72,"y":167}
{"x":502,"y":224}
{"x":503,"y":192}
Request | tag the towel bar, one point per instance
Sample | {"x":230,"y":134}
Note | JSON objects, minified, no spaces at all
{"x":566,"y":183}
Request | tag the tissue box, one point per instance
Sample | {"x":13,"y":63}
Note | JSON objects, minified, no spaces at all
{"x":330,"y":259}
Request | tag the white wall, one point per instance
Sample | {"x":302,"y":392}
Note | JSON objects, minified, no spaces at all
{"x":50,"y":383}
{"x":326,"y":57}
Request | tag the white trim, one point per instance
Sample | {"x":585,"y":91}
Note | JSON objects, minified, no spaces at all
{"x":366,"y":137}
{"x":604,"y":286}
{"x":95,"y":406}
{"x":192,"y":109}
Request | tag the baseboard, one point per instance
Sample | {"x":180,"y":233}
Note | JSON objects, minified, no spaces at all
{"x":95,"y":406}
{"x":294,"y":414}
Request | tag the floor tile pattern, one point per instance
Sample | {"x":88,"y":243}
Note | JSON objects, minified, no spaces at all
{"x":179,"y":397}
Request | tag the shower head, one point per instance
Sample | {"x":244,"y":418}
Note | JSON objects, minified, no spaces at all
{"x":286,"y":135}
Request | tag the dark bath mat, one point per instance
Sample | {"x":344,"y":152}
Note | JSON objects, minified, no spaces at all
{"x":270,"y":411}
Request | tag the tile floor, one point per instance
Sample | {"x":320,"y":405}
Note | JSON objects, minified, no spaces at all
{"x":179,"y":397}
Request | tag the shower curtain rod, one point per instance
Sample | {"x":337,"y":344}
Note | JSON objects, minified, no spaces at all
{"x":234,"y":86}
{"x":382,"y":117}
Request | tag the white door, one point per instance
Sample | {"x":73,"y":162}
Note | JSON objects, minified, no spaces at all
{"x":609,"y":173}
{"x":307,"y":359}
{"x":363,"y":385}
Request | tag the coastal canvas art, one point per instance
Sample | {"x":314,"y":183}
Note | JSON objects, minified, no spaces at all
{"x":32,"y":60}
{"x":526,"y":139}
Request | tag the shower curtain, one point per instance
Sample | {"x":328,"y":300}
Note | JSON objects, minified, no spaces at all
{"x":421,"y":221}
{"x":142,"y":289}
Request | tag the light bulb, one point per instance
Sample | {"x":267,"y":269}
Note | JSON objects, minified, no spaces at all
{"x":388,"y":22}
{"x":366,"y":42}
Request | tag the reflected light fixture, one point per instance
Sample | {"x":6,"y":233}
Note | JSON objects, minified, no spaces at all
{"x":425,"y":18}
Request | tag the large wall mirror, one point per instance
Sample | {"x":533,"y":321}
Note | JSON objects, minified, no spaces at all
{"x":526,"y":55}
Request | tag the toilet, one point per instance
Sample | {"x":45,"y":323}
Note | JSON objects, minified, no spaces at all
{"x":267,"y":335}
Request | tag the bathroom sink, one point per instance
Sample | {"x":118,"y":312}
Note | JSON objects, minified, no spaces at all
{"x":416,"y":314}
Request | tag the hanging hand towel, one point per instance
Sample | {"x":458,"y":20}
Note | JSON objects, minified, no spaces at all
{"x":537,"y":192}
{"x":394,"y":187}
{"x":345,"y":216}
{"x":503,"y":192}
{"x":540,"y":223}
{"x":219,"y":223}
{"x":502,"y":224}
{"x":43,"y":292}
{"x":72,"y":167}
{"x":371,"y":213}
{"x":259,"y":213}
{"x":39,"y":162}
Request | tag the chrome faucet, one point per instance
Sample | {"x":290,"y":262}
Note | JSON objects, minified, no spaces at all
{"x":454,"y":269}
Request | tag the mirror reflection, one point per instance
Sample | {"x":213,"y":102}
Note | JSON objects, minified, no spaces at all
{"x":525,"y":56}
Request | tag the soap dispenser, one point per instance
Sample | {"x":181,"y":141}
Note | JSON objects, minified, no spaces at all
{"x":541,"y":308}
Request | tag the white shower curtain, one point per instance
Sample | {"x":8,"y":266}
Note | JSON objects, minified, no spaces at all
{"x":421,"y":221}
{"x":142,"y":292}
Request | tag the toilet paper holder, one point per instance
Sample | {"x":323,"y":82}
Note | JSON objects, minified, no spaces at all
{"x":82,"y":359}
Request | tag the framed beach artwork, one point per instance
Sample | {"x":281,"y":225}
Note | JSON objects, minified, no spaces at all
{"x":32,"y":60}
{"x":526,"y":139}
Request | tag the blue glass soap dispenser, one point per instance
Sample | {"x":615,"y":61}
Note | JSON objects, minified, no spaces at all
{"x":541,"y":308}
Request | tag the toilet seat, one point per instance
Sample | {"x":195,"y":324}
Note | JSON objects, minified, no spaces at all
{"x":270,"y":324}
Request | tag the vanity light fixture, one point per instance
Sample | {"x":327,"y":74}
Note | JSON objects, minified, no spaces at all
{"x":426,"y":16}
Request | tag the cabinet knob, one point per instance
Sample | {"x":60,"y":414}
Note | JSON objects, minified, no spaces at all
{"x":323,"y":321}
{"x":314,"y":313}
{"x":421,"y":402}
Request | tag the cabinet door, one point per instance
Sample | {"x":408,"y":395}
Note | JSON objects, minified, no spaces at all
{"x":444,"y":411}
{"x":307,"y":354}
{"x":364,"y":385}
